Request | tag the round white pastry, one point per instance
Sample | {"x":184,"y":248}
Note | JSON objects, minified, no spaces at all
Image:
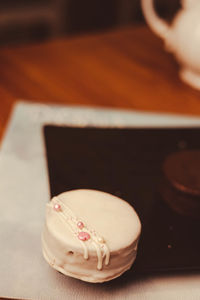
{"x":90,"y":235}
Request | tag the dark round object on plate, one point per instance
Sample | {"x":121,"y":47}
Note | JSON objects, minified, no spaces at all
{"x":181,"y":182}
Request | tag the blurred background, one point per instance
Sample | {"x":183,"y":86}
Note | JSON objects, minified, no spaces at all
{"x":30,"y":21}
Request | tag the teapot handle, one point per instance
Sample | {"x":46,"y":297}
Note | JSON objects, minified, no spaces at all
{"x":160,"y":27}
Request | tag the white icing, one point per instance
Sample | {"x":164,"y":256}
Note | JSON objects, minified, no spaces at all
{"x":114,"y":219}
{"x":107,"y":254}
{"x":99,"y":256}
{"x":66,"y":215}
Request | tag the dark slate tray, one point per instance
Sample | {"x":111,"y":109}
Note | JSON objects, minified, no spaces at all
{"x":128,"y":163}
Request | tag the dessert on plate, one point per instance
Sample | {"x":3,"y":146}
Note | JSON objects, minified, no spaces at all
{"x":90,"y":235}
{"x":181,"y":186}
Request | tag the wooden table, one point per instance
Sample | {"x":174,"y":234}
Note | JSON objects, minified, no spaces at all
{"x":127,"y":68}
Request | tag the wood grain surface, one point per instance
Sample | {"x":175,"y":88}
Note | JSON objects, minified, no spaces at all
{"x":127,"y":68}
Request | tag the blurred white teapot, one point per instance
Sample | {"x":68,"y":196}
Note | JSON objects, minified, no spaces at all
{"x":182,"y":38}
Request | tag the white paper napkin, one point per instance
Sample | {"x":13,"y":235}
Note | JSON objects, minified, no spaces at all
{"x":24,"y":191}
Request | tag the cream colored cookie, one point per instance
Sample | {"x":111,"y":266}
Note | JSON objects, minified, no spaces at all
{"x":90,"y":235}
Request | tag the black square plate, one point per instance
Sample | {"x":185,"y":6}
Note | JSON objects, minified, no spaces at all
{"x":128,"y":163}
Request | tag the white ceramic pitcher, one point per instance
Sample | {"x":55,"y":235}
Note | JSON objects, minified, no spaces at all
{"x":182,"y":38}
